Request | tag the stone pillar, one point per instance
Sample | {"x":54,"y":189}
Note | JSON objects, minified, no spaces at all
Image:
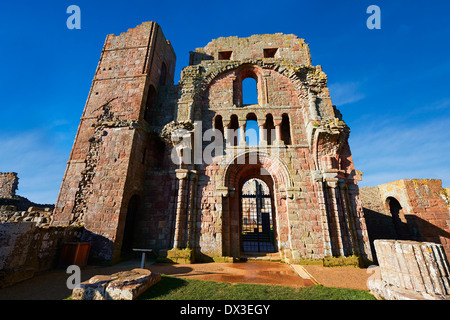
{"x":193,"y":175}
{"x":226,"y":133}
{"x":262,"y":134}
{"x":180,"y":219}
{"x":277,"y":124}
{"x":334,"y":214}
{"x":278,"y":132}
{"x":347,"y":224}
{"x":312,"y":107}
{"x":242,"y":141}
{"x":322,"y":198}
{"x":362,"y":242}
{"x":266,"y":75}
{"x":348,"y":217}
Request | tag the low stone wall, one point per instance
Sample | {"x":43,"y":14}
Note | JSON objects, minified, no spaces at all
{"x":411,"y":270}
{"x":26,"y":249}
{"x":40,"y":215}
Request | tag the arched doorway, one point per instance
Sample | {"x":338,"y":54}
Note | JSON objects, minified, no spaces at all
{"x":129,"y":230}
{"x":257,"y":219}
{"x":237,"y":172}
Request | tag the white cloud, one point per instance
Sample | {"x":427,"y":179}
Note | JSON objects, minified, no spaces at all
{"x":345,"y":93}
{"x":39,"y":162}
{"x":394,"y":149}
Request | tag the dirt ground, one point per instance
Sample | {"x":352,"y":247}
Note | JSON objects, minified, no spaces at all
{"x":340,"y":277}
{"x":51,"y":285}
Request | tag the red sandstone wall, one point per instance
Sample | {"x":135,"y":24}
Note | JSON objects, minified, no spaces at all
{"x":289,"y":47}
{"x":106,"y":164}
{"x":424,"y":211}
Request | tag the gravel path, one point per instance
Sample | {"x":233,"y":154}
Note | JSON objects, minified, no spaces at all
{"x":340,"y":277}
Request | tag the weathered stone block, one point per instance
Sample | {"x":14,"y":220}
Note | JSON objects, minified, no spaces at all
{"x":411,"y":270}
{"x":126,"y":285}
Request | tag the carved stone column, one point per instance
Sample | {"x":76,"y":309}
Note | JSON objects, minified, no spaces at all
{"x":242,"y":125}
{"x":262,"y":134}
{"x":334,"y":214}
{"x":312,"y":107}
{"x":191,"y":214}
{"x":180,"y":219}
{"x":278,"y":137}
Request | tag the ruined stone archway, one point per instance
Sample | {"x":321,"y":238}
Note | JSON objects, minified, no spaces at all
{"x":257,"y":222}
{"x":272,"y":171}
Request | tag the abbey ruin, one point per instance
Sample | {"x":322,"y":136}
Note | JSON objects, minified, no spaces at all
{"x":293,"y":193}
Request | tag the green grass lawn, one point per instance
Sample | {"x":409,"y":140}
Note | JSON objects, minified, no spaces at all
{"x":170,"y":288}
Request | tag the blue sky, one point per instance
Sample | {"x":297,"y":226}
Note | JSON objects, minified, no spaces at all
{"x":390,"y":85}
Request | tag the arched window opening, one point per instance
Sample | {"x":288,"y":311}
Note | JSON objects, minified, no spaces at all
{"x":252,"y":130}
{"x":286,"y":130}
{"x":249,"y":91}
{"x":233,"y":131}
{"x":163,"y":76}
{"x":218,"y":125}
{"x":269,"y":129}
{"x":151,"y":99}
{"x":159,"y":151}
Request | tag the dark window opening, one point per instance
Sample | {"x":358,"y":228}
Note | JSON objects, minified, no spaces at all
{"x":269,"y":127}
{"x":285,"y":130}
{"x":225,"y":55}
{"x":219,"y":132}
{"x":130,"y":225}
{"x":144,"y":156}
{"x":163,"y":76}
{"x":270,"y":53}
{"x":233,"y":131}
{"x":156,"y":154}
{"x":151,"y":97}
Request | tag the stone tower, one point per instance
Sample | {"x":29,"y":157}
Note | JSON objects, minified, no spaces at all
{"x":106,"y":172}
{"x":166,"y":166}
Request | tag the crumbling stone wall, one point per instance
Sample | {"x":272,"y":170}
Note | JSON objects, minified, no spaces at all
{"x":26,"y":249}
{"x":41,"y":216}
{"x":315,"y":192}
{"x":8,"y":185}
{"x":115,"y":139}
{"x":123,"y":186}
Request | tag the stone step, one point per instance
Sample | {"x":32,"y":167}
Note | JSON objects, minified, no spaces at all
{"x":258,"y":256}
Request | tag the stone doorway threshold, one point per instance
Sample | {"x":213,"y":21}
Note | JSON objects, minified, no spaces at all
{"x":260,"y":256}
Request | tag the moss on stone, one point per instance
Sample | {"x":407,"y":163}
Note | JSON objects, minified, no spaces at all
{"x":351,"y":261}
{"x":184,"y":256}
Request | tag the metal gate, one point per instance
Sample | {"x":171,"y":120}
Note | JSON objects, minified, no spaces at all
{"x":257,"y":225}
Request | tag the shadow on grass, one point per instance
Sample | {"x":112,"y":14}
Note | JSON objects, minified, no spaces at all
{"x":165,"y":287}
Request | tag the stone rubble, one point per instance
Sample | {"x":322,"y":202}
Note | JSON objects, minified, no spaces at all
{"x":41,"y":216}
